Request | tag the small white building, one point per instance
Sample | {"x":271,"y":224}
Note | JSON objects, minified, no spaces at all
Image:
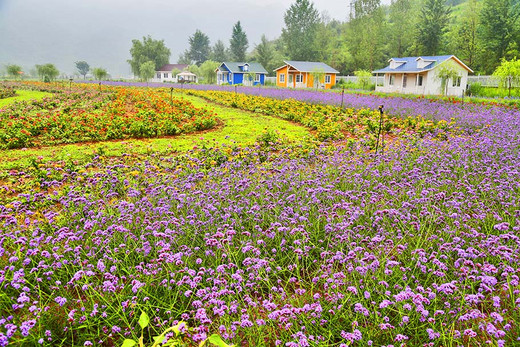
{"x":419,"y":75}
{"x":164,"y":74}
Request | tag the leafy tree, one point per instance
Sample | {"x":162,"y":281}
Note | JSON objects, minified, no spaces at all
{"x":47,"y":72}
{"x":363,"y":78}
{"x":499,"y":28}
{"x":83,"y":68}
{"x":207,"y":71}
{"x":464,"y":35}
{"x":433,"y":24}
{"x":318,"y":76}
{"x":264,"y":54}
{"x":175,"y":72}
{"x":184,"y":58}
{"x":445,"y":72}
{"x":147,"y":70}
{"x":219,"y":52}
{"x":402,"y":19}
{"x":99,"y":73}
{"x":148,"y":50}
{"x":238,"y":43}
{"x":14,"y":71}
{"x":509,"y":73}
{"x":365,"y":35}
{"x":199,"y":47}
{"x":301,"y":23}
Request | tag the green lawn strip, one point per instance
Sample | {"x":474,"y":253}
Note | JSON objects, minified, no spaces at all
{"x":24,"y":95}
{"x":238,"y":127}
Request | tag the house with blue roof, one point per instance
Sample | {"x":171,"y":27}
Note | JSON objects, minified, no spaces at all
{"x":419,"y":75}
{"x":250,"y":74}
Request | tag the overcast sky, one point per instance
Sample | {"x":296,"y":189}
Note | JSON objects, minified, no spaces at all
{"x":100,"y":31}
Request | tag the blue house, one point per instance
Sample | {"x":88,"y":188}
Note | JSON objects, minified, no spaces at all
{"x":250,"y":74}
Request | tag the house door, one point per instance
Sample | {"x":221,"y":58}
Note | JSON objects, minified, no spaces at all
{"x":290,"y":82}
{"x":299,"y":81}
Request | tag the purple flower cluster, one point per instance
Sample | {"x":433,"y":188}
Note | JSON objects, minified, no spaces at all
{"x":417,"y":246}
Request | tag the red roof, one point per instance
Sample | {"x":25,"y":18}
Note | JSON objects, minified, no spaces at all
{"x":170,"y":67}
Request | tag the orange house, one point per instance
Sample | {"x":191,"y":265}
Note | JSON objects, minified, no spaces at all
{"x":299,"y":74}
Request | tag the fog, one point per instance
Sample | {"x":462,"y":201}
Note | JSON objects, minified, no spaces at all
{"x":100,"y":31}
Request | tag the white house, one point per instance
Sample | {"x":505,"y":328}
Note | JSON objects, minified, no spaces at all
{"x":419,"y":75}
{"x":164,"y":74}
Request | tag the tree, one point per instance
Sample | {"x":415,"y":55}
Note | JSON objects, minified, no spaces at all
{"x":433,"y":24}
{"x":365,"y":35}
{"x":445,"y":72}
{"x":238,"y":43}
{"x":175,"y":72}
{"x":47,"y":72}
{"x":499,"y":28}
{"x":184,"y":58}
{"x":199,"y":47}
{"x":509,"y":73}
{"x":318,"y":76}
{"x":83,"y":68}
{"x":219,"y":52}
{"x":146,"y":71}
{"x":264,"y":54}
{"x":363,"y":78}
{"x":402,"y":19}
{"x":464,"y":36}
{"x":301,"y":21}
{"x":148,"y":50}
{"x":14,"y":71}
{"x":99,"y":73}
{"x":207,"y":71}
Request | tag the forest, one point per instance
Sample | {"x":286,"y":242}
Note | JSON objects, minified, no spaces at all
{"x":480,"y":32}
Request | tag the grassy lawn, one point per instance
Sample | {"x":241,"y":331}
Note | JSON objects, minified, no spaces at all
{"x":238,"y":127}
{"x":24,"y":95}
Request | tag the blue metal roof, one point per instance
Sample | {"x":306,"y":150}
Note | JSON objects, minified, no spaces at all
{"x":410,"y":64}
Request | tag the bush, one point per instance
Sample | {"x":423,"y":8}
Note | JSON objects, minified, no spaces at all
{"x":7,"y":92}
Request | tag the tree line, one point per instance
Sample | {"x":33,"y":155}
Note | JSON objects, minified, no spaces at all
{"x":481,"y":33}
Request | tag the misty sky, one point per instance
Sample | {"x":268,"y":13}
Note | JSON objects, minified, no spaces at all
{"x":100,"y":31}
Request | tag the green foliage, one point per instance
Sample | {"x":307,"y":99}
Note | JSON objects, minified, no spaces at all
{"x":301,"y":24}
{"x":207,"y":71}
{"x":363,"y":78}
{"x":219,"y":52}
{"x":148,"y":50}
{"x":499,"y":30}
{"x":199,"y":47}
{"x":14,"y":71}
{"x":83,"y":67}
{"x":445,"y":72}
{"x":238,"y":43}
{"x":318,"y":76}
{"x":147,"y":70}
{"x":509,"y":73}
{"x":47,"y":72}
{"x":433,"y":24}
{"x":99,"y":73}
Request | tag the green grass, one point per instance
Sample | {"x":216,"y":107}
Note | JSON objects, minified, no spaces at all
{"x":24,"y":95}
{"x":238,"y":127}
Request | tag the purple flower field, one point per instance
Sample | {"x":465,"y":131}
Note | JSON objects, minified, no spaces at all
{"x":416,"y":247}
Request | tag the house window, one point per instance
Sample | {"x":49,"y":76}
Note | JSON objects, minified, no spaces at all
{"x":327,"y":79}
{"x":405,"y":78}
{"x":246,"y":67}
{"x":165,"y":75}
{"x":257,"y":77}
{"x":419,"y":80}
{"x":158,"y":75}
{"x":456,"y":81}
{"x":282,"y":78}
{"x":392,"y":80}
{"x":299,"y":78}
